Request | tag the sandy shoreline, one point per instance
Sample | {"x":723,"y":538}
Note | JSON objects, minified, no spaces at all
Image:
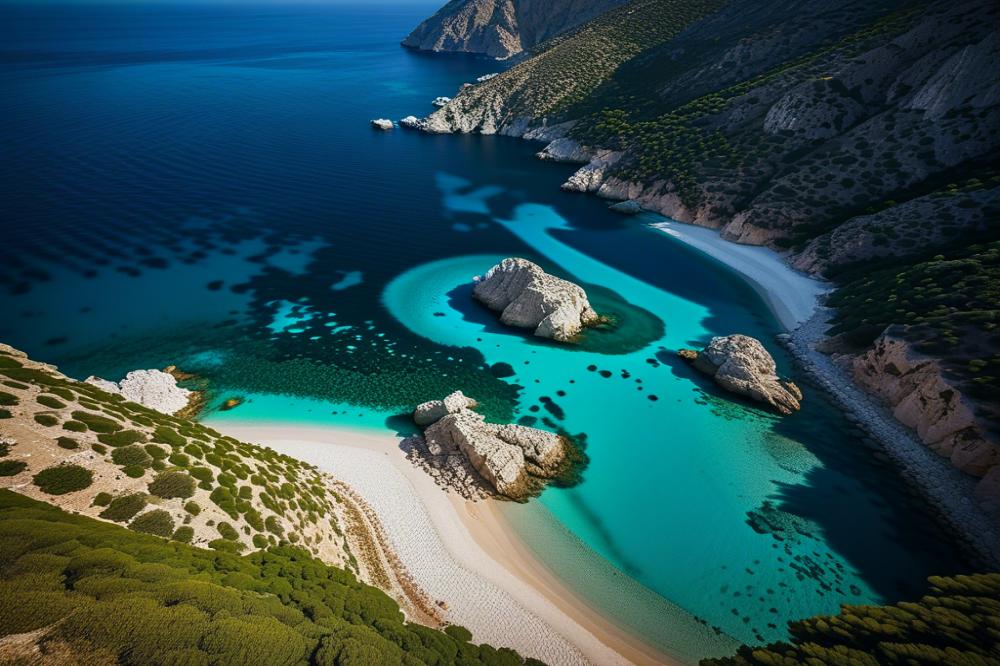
{"x":791,"y":296}
{"x":462,"y":552}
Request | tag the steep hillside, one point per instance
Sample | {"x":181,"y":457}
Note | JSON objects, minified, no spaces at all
{"x":96,"y":454}
{"x":501,"y":28}
{"x":954,"y":623}
{"x":74,"y":590}
{"x":860,"y":139}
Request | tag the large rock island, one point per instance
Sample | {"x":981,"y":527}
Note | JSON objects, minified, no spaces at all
{"x":528,"y":297}
{"x":740,"y":364}
{"x":514,"y":460}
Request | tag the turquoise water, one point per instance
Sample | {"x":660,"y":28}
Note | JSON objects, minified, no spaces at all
{"x":198,"y":186}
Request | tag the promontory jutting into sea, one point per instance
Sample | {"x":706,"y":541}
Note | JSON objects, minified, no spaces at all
{"x":500,"y":332}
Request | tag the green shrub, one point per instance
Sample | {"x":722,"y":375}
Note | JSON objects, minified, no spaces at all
{"x":99,"y":448}
{"x":50,"y":401}
{"x":63,"y":479}
{"x":459,"y":632}
{"x":121,"y":437}
{"x":165,"y":435}
{"x":4,"y":449}
{"x":131,"y":455}
{"x":47,"y":420}
{"x":172,"y":484}
{"x":260,"y":541}
{"x":8,"y":399}
{"x":202,"y":474}
{"x":192,"y":508}
{"x":5,"y":414}
{"x":227,"y":531}
{"x":184,"y":534}
{"x":97,"y":423}
{"x":134,"y":471}
{"x":156,"y":452}
{"x":12,"y":467}
{"x":273,"y":526}
{"x":75,"y":426}
{"x":102,"y":499}
{"x":179,"y":460}
{"x":156,"y":522}
{"x":124,"y":508}
{"x":67,"y":443}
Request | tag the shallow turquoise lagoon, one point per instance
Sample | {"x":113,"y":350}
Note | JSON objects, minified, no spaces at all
{"x":199,"y":186}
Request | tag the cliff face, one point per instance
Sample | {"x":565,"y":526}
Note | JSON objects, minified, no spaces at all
{"x":501,"y":28}
{"x":921,"y":396}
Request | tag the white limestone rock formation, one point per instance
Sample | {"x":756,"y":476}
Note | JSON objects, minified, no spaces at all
{"x":508,"y":457}
{"x":383,"y":124}
{"x":428,"y":412}
{"x":740,"y":364}
{"x":154,"y":389}
{"x":440,"y":101}
{"x":411,"y":122}
{"x":528,"y":297}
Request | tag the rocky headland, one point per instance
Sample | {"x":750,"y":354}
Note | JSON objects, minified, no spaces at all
{"x":528,"y":297}
{"x":740,"y":364}
{"x":501,"y":28}
{"x":478,"y":459}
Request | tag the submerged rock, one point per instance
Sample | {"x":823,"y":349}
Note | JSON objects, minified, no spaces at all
{"x":626,"y":207}
{"x":528,"y":297}
{"x":154,"y":389}
{"x":740,"y":364}
{"x":510,"y":458}
{"x":382,"y":124}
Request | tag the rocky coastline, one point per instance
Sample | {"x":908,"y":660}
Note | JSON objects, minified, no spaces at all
{"x":949,"y":492}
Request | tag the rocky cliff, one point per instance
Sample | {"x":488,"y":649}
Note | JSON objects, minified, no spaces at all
{"x":921,"y":395}
{"x":501,"y":28}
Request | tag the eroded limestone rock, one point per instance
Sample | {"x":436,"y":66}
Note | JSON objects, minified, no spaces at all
{"x":528,"y":297}
{"x":740,"y":364}
{"x":150,"y":388}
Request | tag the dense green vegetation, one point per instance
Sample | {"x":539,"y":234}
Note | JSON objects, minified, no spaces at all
{"x":950,"y":302}
{"x":956,"y":622}
{"x":63,"y":479}
{"x":139,"y":599}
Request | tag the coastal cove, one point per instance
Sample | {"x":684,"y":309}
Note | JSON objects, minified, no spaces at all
{"x":218,"y":202}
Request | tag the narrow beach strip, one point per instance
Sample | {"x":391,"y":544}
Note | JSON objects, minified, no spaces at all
{"x":504,"y":596}
{"x":792,"y":296}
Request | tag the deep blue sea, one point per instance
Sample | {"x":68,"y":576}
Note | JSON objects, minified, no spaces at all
{"x":198,"y":185}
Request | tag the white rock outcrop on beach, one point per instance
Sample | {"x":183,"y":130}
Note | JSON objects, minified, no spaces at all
{"x":507,"y":457}
{"x":428,"y":412}
{"x":150,"y":388}
{"x":528,"y":297}
{"x":382,"y":124}
{"x":740,"y":364}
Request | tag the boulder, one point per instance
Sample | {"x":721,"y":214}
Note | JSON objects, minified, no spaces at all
{"x":411,"y":122}
{"x":740,"y":364}
{"x":382,"y":124}
{"x":528,"y":297}
{"x":507,"y":457}
{"x":441,"y":101}
{"x":428,"y":412}
{"x":154,"y":389}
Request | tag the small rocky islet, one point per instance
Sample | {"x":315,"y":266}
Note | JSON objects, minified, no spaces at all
{"x":740,"y":364}
{"x":528,"y":297}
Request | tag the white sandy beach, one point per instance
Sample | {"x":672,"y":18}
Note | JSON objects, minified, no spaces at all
{"x":791,"y":295}
{"x":458,"y":551}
